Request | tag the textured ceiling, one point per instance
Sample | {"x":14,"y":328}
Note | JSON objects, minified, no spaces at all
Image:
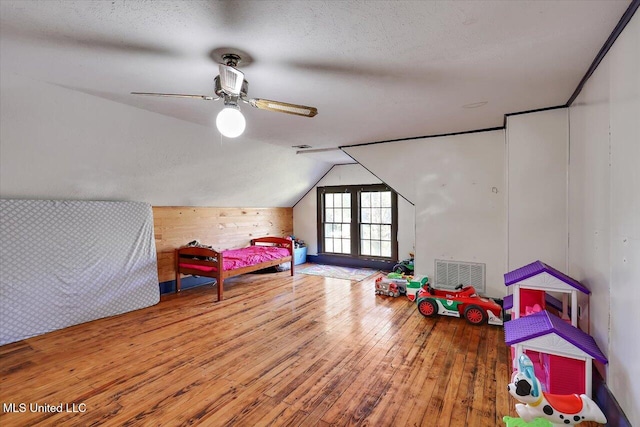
{"x":375,"y":70}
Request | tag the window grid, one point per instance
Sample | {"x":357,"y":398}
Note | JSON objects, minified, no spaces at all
{"x":337,"y":223}
{"x":375,"y":223}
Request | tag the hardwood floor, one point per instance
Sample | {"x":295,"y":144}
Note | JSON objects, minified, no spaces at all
{"x":279,"y":350}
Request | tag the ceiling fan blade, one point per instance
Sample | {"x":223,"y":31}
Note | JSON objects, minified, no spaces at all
{"x":176,"y":95}
{"x":283,"y":107}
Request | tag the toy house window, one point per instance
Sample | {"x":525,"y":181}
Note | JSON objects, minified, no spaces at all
{"x":358,"y":221}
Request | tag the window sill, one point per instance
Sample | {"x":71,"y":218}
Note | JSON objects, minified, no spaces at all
{"x":352,"y":261}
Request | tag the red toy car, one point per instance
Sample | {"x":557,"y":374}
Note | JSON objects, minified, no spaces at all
{"x":462,"y":302}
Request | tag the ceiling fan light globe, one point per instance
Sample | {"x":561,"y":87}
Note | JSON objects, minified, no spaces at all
{"x":230,"y":122}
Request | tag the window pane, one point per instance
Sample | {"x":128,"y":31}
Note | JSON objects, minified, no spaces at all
{"x":366,"y":215}
{"x":328,"y":230}
{"x":337,"y":215}
{"x":365,"y":200}
{"x":337,"y":245}
{"x":346,"y":246}
{"x":365,"y":247}
{"x":386,"y":216}
{"x":385,"y":201}
{"x":375,"y":232}
{"x":385,"y":248}
{"x":337,"y":230}
{"x":328,"y":200}
{"x":375,"y":200}
{"x":365,"y":231}
{"x":328,"y":215}
{"x":337,"y":200}
{"x":385,"y":232}
{"x":346,"y":215}
{"x":375,"y":248}
{"x":346,"y":200}
{"x":375,"y":215}
{"x":346,"y":231}
{"x":328,"y":245}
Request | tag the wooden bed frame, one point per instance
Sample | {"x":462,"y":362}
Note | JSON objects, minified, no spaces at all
{"x":188,"y":254}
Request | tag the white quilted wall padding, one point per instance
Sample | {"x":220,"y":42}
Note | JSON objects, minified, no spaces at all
{"x":69,"y":262}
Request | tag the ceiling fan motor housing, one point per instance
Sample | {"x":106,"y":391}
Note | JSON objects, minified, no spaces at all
{"x":221,"y":92}
{"x":231,"y":79}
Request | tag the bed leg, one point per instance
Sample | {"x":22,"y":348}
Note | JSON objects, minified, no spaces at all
{"x":220,"y":288}
{"x":177,"y":267}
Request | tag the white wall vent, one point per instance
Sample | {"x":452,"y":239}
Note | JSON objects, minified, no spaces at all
{"x":450,"y":274}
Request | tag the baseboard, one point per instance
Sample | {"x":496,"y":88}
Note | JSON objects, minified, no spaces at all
{"x":343,"y":261}
{"x":608,"y":403}
{"x":169,"y":287}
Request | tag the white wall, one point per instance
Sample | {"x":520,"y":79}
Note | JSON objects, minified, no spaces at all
{"x":537,"y":164}
{"x":458,"y":186}
{"x":56,"y":143}
{"x":305,"y":211}
{"x":589,"y":202}
{"x":604,"y":210}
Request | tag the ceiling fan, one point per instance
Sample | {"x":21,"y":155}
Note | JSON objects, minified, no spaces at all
{"x":231,"y":87}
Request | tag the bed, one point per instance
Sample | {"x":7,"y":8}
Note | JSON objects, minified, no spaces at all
{"x":264,"y":252}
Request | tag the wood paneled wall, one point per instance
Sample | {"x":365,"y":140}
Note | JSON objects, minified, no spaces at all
{"x":222,"y":228}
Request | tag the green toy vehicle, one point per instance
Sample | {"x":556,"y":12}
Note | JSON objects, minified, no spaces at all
{"x":404,"y":267}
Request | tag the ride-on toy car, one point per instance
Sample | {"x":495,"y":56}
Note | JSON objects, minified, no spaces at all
{"x":404,"y":266}
{"x":461,"y":302}
{"x":414,"y":285}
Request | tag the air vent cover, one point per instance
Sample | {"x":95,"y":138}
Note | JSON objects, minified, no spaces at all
{"x":450,"y":274}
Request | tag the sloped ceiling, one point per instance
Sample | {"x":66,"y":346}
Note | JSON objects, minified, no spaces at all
{"x":375,"y":71}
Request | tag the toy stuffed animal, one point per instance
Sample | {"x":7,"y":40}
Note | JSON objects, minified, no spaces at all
{"x":560,"y":409}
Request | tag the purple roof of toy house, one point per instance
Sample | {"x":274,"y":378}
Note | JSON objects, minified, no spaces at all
{"x":544,"y":323}
{"x":507,"y":302}
{"x":538,"y":267}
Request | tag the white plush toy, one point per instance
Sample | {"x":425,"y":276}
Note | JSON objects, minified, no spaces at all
{"x":559,"y":409}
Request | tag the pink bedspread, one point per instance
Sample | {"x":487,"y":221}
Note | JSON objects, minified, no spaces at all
{"x":237,"y":258}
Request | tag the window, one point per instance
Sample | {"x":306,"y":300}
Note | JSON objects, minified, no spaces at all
{"x":375,"y":223}
{"x":358,"y":221}
{"x":337,"y":223}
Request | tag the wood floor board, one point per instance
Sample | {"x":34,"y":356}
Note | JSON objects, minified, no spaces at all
{"x":364,"y":390}
{"x":278,"y":351}
{"x":394,"y":398}
{"x":419,"y":387}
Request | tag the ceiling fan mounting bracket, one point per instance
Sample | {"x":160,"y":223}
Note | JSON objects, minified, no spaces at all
{"x":231,"y":59}
{"x":220,"y":55}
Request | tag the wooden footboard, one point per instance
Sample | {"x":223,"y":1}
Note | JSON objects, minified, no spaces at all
{"x":209,"y":263}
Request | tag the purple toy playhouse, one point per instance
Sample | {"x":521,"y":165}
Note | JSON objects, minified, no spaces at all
{"x":561,"y":353}
{"x":531,"y":284}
